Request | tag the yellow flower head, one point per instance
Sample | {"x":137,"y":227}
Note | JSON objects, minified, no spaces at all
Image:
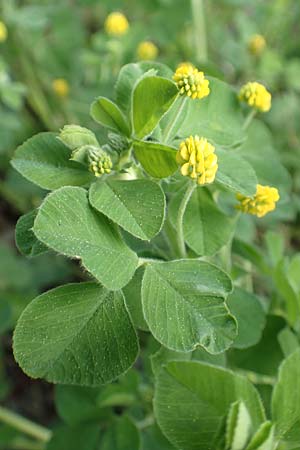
{"x":186,"y":65}
{"x":256,"y":95}
{"x":147,"y":51}
{"x":261,"y":203}
{"x":99,"y":161}
{"x":116,"y":24}
{"x":61,"y":87}
{"x":197,"y":159}
{"x":191,"y":82}
{"x":3,"y":32}
{"x":256,"y":44}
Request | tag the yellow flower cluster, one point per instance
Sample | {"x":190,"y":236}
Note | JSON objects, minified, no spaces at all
{"x":116,"y":24}
{"x":256,"y":44}
{"x":100,"y":162}
{"x":147,"y":51}
{"x":197,"y":159}
{"x":261,"y":203}
{"x":61,"y":87}
{"x":191,"y":82}
{"x":3,"y":32}
{"x":256,"y":95}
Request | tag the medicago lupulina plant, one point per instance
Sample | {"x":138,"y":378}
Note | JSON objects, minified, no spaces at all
{"x":151,"y":214}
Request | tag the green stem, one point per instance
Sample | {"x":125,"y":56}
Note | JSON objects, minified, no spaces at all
{"x":174,"y":120}
{"x":179,"y":223}
{"x":24,"y":425}
{"x":199,"y":30}
{"x":249,"y":119}
{"x":147,"y":422}
{"x":25,"y":444}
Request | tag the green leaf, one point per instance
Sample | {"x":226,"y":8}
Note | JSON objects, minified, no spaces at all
{"x":128,"y":77}
{"x":158,"y":160}
{"x":76,"y":334}
{"x":76,"y":404}
{"x":183,"y":304}
{"x":238,"y":427}
{"x":138,"y":206}
{"x":206,"y":228}
{"x":259,"y":152}
{"x":263,"y":439}
{"x":107,"y":113}
{"x":235,"y":174}
{"x":122,"y":435}
{"x":83,"y":437}
{"x":45,"y":161}
{"x":133,"y":299}
{"x":68,"y":224}
{"x":254,"y":358}
{"x":250,"y":316}
{"x":216,"y":117}
{"x":286,"y":400}
{"x":153,"y":439}
{"x":26,"y":240}
{"x":288,"y":341}
{"x":192,"y":400}
{"x":152,"y":97}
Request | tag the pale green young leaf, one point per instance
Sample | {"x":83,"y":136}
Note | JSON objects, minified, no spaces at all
{"x":250,"y":316}
{"x":263,"y":439}
{"x":26,"y":240}
{"x":76,"y":334}
{"x":69,"y":225}
{"x":45,"y":161}
{"x":286,"y":400}
{"x":138,"y":206}
{"x":107,"y":113}
{"x":158,"y":160}
{"x":192,"y":401}
{"x":152,"y":97}
{"x":238,"y":427}
{"x":235,"y":173}
{"x":183,"y":304}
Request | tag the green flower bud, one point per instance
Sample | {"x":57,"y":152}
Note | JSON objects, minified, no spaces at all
{"x":74,"y":136}
{"x":118,"y":143}
{"x":99,"y":161}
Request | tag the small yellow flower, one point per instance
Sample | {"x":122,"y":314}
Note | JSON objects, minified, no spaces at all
{"x":116,"y":24}
{"x":147,"y":51}
{"x":197,"y":159}
{"x":61,"y":87}
{"x":191,"y":82}
{"x":256,"y":44}
{"x":256,"y":95}
{"x":3,"y":32}
{"x":186,"y":65}
{"x":99,"y":161}
{"x":261,"y":203}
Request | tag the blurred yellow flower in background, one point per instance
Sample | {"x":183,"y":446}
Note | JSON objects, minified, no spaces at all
{"x":256,"y":95}
{"x":116,"y":24}
{"x":197,"y":159}
{"x":147,"y":51}
{"x":261,"y":203}
{"x":3,"y":32}
{"x":61,"y":87}
{"x":257,"y":44}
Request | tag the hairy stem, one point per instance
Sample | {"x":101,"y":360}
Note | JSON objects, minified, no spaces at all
{"x":179,"y":223}
{"x":199,"y":30}
{"x":24,"y":425}
{"x":249,"y":119}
